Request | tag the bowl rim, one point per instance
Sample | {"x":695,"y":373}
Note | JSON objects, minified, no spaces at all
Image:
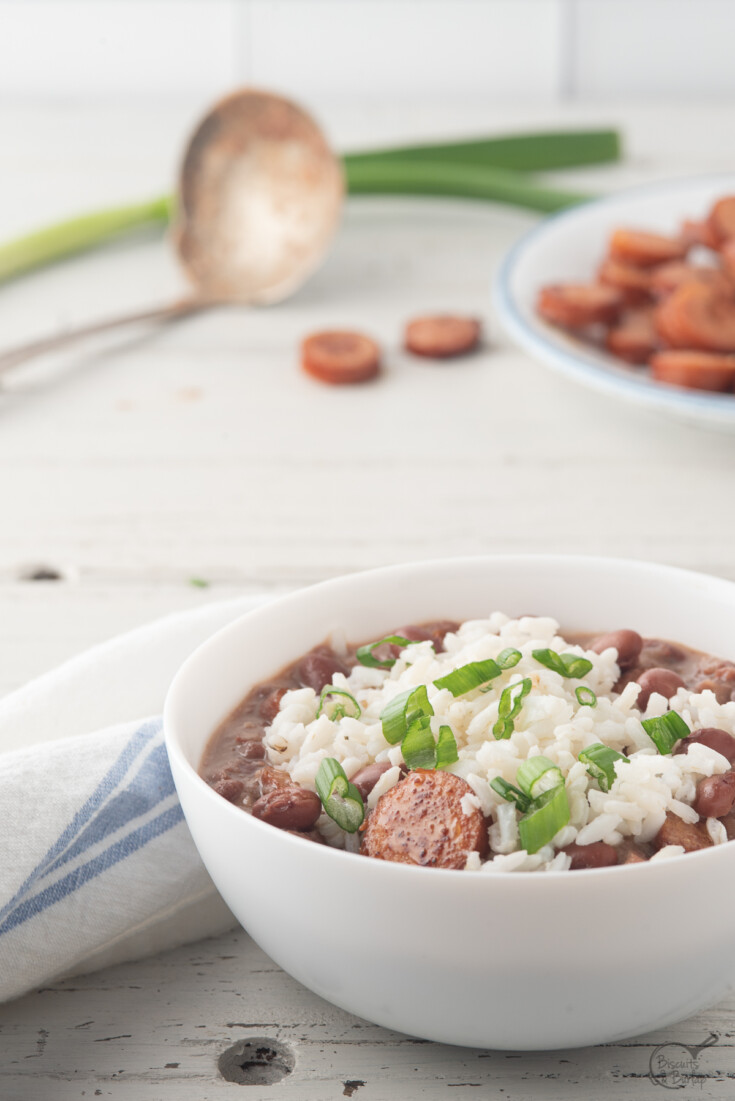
{"x":606,"y":378}
{"x":521,"y":880}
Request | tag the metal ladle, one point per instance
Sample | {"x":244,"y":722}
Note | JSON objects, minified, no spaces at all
{"x":258,"y":201}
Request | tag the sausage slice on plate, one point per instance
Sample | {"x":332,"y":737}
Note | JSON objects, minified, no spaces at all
{"x":421,"y":821}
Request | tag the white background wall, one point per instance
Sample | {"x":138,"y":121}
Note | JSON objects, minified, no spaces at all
{"x":507,"y":49}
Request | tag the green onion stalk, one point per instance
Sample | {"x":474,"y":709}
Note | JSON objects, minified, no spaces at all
{"x":487,"y":169}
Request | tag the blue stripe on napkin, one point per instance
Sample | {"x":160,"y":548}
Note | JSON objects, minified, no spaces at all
{"x":107,"y":810}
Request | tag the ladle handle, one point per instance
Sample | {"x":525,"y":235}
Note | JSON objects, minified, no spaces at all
{"x":23,"y":352}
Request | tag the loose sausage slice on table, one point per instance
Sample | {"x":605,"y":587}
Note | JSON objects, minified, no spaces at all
{"x":697,"y":316}
{"x":577,"y":305}
{"x":442,"y":336}
{"x":645,"y":250}
{"x":340,"y":357}
{"x":675,"y":831}
{"x":721,"y":220}
{"x":634,"y":338}
{"x":421,"y":821}
{"x":694,"y":370}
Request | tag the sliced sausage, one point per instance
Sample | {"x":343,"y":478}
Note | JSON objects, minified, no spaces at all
{"x":667,"y":278}
{"x":715,"y":795}
{"x":421,"y":821}
{"x":577,"y":305}
{"x":340,"y":357}
{"x":697,"y":316}
{"x":713,"y":738}
{"x":645,"y":250}
{"x":288,"y":807}
{"x":318,"y":667}
{"x":442,"y":336}
{"x":698,"y":233}
{"x":694,"y":370}
{"x":597,"y":855}
{"x":690,"y":835}
{"x":627,"y":643}
{"x":634,"y":337}
{"x":721,"y":220}
{"x":664,"y":681}
{"x":634,"y":282}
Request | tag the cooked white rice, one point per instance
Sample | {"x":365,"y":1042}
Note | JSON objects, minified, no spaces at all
{"x":551,"y":722}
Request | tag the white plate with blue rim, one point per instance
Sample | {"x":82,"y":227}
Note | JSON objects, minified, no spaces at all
{"x":567,"y":248}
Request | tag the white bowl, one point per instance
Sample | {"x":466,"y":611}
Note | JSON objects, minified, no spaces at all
{"x":515,"y":961}
{"x":569,"y":247}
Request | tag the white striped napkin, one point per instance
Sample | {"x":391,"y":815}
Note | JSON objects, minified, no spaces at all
{"x":96,"y":862}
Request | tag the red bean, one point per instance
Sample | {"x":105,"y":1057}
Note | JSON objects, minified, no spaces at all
{"x":231,"y":790}
{"x":627,"y":643}
{"x":317,"y":668}
{"x":715,"y":795}
{"x":663,"y":681}
{"x":250,"y":750}
{"x":597,"y":855}
{"x":713,"y":738}
{"x":289,"y":808}
{"x":271,"y":704}
{"x":366,"y":778}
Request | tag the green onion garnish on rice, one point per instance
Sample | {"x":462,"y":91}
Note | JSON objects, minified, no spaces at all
{"x":665,"y":730}
{"x":364,"y":654}
{"x":585,"y":696}
{"x":418,"y":747}
{"x":509,"y":708}
{"x":511,"y":793}
{"x":341,"y":799}
{"x":537,"y":775}
{"x":403,"y":709}
{"x":509,"y":657}
{"x":599,"y":760}
{"x":467,"y":677}
{"x":548,"y":814}
{"x":335,"y":703}
{"x":446,"y":748}
{"x":566,"y":665}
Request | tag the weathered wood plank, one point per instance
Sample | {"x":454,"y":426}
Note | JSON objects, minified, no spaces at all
{"x":155,"y":1029}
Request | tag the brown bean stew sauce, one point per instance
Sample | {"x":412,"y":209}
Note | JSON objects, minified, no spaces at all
{"x":419,"y":820}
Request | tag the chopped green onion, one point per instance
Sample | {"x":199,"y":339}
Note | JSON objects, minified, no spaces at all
{"x":337,"y":710}
{"x":666,"y":730}
{"x":418,"y":748}
{"x":509,"y":657}
{"x":599,"y":761}
{"x":365,"y":656}
{"x":467,"y":677}
{"x":446,"y":748}
{"x":511,"y":701}
{"x":566,"y":665}
{"x":549,"y":813}
{"x":511,"y":793}
{"x":537,"y":775}
{"x":403,"y":709}
{"x":341,"y":799}
{"x":585,"y":696}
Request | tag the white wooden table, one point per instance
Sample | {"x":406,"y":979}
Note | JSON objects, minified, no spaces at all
{"x":201,"y":452}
